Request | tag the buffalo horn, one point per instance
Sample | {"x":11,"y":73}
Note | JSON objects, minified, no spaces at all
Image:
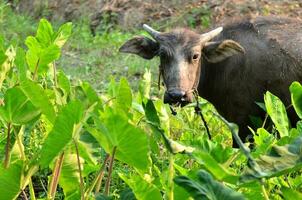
{"x":151,"y":31}
{"x":210,"y":35}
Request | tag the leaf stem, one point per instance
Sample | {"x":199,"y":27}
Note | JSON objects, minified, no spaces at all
{"x":23,"y":157}
{"x":107,"y":185}
{"x":171,"y":176}
{"x":101,"y":175}
{"x":55,"y":176}
{"x":263,"y":190}
{"x":24,"y":195}
{"x":98,"y":179}
{"x":79,"y":168}
{"x":31,"y":190}
{"x":7,"y":146}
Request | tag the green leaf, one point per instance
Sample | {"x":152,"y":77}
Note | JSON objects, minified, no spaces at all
{"x":44,"y":33}
{"x":38,"y":58}
{"x":18,"y":109}
{"x":62,"y":132}
{"x":63,"y":34}
{"x":38,"y":97}
{"x":91,"y":94}
{"x":127,"y":194}
{"x":142,"y":189}
{"x":63,"y":82}
{"x":279,"y":160}
{"x":10,"y":181}
{"x":263,"y":141}
{"x":276,"y":110}
{"x":124,"y":95}
{"x":290,"y":194}
{"x":3,"y":57}
{"x":130,"y":142}
{"x":70,"y":177}
{"x":20,"y":63}
{"x":220,"y":173}
{"x":205,"y":187}
{"x":89,"y":148}
{"x":145,"y":84}
{"x":6,"y":66}
{"x":296,"y":96}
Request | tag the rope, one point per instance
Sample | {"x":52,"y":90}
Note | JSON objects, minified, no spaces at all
{"x":198,"y":112}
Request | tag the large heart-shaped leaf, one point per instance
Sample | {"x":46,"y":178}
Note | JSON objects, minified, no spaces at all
{"x":130,"y":142}
{"x":70,"y":177}
{"x":62,"y":131}
{"x":38,"y":97}
{"x":10,"y":181}
{"x":205,"y":187}
{"x":142,"y":189}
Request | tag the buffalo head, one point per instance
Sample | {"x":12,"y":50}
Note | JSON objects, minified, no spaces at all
{"x":181,"y":53}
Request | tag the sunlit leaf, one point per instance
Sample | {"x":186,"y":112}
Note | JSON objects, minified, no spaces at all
{"x":20,"y":63}
{"x":263,"y":142}
{"x":70,"y":177}
{"x":296,"y":97}
{"x":124,"y":95}
{"x":130,"y":142}
{"x":142,"y":189}
{"x":62,"y":132}
{"x":290,"y":194}
{"x":10,"y":181}
{"x":277,"y":112}
{"x":218,"y":170}
{"x":18,"y":108}
{"x":38,"y":97}
{"x":44,"y":33}
{"x":63,"y":82}
{"x":63,"y":34}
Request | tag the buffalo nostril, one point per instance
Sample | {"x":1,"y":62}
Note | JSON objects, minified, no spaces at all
{"x":177,"y":95}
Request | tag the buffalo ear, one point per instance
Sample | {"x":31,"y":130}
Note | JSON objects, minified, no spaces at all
{"x":218,"y":51}
{"x":141,"y":46}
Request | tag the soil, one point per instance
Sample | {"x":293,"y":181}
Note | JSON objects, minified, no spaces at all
{"x":129,"y":14}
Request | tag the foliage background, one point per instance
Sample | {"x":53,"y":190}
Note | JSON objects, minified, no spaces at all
{"x":91,"y":54}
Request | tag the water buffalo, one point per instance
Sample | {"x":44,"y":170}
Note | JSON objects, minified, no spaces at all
{"x":231,"y":66}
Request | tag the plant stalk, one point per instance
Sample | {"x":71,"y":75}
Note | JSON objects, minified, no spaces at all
{"x":101,"y":175}
{"x":31,"y":190}
{"x":107,"y":185}
{"x":55,"y":177}
{"x":7,"y":146}
{"x":23,"y":157}
{"x":80,"y":170}
{"x":24,"y":195}
{"x":264,"y":190}
{"x":170,"y":179}
{"x":97,"y":181}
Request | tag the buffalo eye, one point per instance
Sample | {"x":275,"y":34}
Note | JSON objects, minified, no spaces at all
{"x":195,"y":56}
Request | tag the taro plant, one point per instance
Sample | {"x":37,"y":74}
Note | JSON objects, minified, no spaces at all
{"x":64,"y":137}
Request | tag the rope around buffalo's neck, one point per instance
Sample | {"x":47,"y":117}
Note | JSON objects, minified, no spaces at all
{"x":198,"y":112}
